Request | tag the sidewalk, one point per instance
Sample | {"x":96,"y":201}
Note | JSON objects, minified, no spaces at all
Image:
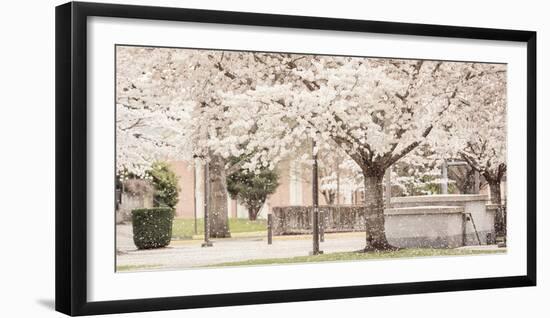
{"x":182,"y":254}
{"x":189,"y":253}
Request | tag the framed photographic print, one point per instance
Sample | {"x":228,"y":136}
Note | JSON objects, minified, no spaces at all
{"x":209,"y":158}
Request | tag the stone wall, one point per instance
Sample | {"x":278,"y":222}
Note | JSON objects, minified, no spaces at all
{"x":425,"y":226}
{"x":441,"y":221}
{"x":475,"y":212}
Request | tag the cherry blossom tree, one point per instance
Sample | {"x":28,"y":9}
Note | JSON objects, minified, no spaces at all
{"x":152,"y":108}
{"x":164,"y":99}
{"x":217,"y":131}
{"x":170,"y":107}
{"x":336,"y":173}
{"x":376,"y":110}
{"x":479,"y":131}
{"x":213,"y":105}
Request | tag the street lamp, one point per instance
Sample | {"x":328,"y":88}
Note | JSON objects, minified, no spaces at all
{"x":207,"y":242}
{"x":315,"y":199}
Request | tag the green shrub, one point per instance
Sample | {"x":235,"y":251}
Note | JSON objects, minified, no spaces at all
{"x":251,"y":188}
{"x":165,"y":182}
{"x":152,"y":227}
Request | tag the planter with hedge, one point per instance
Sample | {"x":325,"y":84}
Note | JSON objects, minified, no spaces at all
{"x":152,"y":227}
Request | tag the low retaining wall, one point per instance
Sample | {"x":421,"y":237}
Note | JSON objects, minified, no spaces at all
{"x":425,"y":226}
{"x":475,"y":212}
{"x":440,"y":221}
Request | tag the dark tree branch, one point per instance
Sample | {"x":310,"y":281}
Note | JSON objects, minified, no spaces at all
{"x":470,"y":161}
{"x":132,"y":125}
{"x":407,"y":149}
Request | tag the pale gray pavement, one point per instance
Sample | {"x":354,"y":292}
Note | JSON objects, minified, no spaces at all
{"x":189,"y":253}
{"x":182,"y":254}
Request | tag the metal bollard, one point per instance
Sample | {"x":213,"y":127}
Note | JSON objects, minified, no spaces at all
{"x":269,"y":229}
{"x":322,"y":226}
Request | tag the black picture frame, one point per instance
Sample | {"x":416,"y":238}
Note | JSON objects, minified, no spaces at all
{"x":71,"y":157}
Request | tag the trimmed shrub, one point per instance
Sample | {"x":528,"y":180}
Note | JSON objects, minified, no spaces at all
{"x":152,"y":227}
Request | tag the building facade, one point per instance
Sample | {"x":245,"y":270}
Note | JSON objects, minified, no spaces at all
{"x":295,"y":189}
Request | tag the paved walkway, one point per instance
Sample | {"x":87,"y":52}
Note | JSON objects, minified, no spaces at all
{"x":189,"y":253}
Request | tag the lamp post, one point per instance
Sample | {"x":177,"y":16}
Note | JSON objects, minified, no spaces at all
{"x":388,"y":188}
{"x":444,"y":177}
{"x":315,"y":199}
{"x":338,"y":160}
{"x":207,"y":242}
{"x":195,"y":198}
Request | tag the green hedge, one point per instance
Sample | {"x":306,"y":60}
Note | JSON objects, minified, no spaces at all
{"x":152,"y":227}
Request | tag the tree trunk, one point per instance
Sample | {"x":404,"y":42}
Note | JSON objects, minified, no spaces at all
{"x":468,"y":186}
{"x":219,"y":226}
{"x":500,"y":224}
{"x":494,"y":186}
{"x":329,"y":196}
{"x":253,"y":213}
{"x":374,"y":212}
{"x":464,"y":178}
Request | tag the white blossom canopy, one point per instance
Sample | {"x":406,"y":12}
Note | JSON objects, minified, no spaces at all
{"x":184,"y":104}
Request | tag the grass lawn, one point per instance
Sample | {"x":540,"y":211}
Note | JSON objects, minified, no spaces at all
{"x":354,"y":256}
{"x":184,"y":229}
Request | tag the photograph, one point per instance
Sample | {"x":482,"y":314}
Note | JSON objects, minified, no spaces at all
{"x":248,"y":158}
{"x":232,"y":159}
